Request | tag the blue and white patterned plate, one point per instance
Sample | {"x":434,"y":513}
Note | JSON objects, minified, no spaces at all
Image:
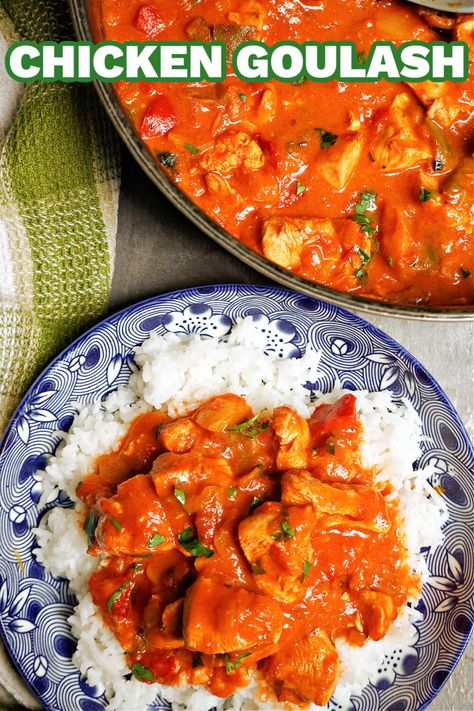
{"x":34,"y":606}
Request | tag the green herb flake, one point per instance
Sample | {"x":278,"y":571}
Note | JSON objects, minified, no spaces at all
{"x":390,"y":261}
{"x":366,"y":203}
{"x":361,"y":57}
{"x":113,"y":598}
{"x":306,"y":568}
{"x":425,"y":195}
{"x":192,"y":545}
{"x":256,"y":568}
{"x":326,"y":138}
{"x":256,"y":502}
{"x":185,"y":535}
{"x":141,"y":672}
{"x":90,"y":524}
{"x":116,"y":523}
{"x":300,"y":81}
{"x":288,"y":531}
{"x":232,"y":493}
{"x":251,"y":428}
{"x":180,"y":494}
{"x":230,"y":666}
{"x":167,"y":159}
{"x":465,"y":273}
{"x":156,"y":540}
{"x":243,"y":97}
{"x":193,"y":149}
{"x":300,"y":188}
{"x":330,"y":447}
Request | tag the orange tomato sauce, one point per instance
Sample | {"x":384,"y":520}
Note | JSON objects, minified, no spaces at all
{"x":234,"y":543}
{"x":282,"y":166}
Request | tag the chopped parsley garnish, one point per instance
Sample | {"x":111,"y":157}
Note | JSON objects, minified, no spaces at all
{"x":155,"y":540}
{"x":366,"y":203}
{"x":438,"y":165}
{"x":185,"y":535}
{"x":330,"y":446}
{"x":306,"y":568}
{"x":256,"y":568}
{"x":287,"y":530}
{"x":90,"y":524}
{"x":193,"y":149}
{"x":426,"y":194}
{"x":116,"y":523}
{"x":465,"y":273}
{"x":390,"y":261}
{"x":300,"y":81}
{"x":361,"y":57}
{"x":243,"y":97}
{"x":255,"y":504}
{"x":361,"y":272}
{"x":326,"y":138}
{"x":192,"y":545}
{"x":251,"y":428}
{"x":141,"y":672}
{"x":230,"y":666}
{"x":167,"y":159}
{"x":113,"y":598}
{"x":300,"y":188}
{"x":232,"y":492}
{"x":180,"y":494}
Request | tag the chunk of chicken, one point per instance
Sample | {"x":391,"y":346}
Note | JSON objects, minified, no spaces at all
{"x":133,"y":519}
{"x":457,"y":191}
{"x":168,"y":634}
{"x":337,"y":163}
{"x":250,"y":13}
{"x":179,"y":436}
{"x":339,"y":505}
{"x":219,"y":619}
{"x":378,"y":612}
{"x":218,"y":185}
{"x":306,"y":671}
{"x":293,"y":436}
{"x":400,"y":144}
{"x":190,"y":471}
{"x":448,"y":109}
{"x":284,"y":237}
{"x":231,"y":151}
{"x":268,"y":105}
{"x":464,"y":31}
{"x":276,"y":542}
{"x":222,"y":413}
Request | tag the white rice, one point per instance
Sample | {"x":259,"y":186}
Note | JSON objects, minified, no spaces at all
{"x":175,"y":374}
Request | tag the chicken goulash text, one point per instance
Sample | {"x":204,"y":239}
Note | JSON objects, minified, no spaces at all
{"x":234,"y":542}
{"x":364,"y":187}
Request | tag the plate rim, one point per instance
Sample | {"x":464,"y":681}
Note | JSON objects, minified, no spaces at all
{"x":357,"y":320}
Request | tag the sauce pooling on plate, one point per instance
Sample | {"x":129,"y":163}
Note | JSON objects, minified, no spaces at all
{"x":234,"y":542}
{"x":364,"y":187}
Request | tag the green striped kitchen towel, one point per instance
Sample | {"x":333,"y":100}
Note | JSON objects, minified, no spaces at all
{"x":59,"y":181}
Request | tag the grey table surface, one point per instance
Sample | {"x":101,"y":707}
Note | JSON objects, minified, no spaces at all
{"x":159,"y":250}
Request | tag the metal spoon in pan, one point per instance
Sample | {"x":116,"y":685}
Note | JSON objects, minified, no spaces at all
{"x":447,"y":5}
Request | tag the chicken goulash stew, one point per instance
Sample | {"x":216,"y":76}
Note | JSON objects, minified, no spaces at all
{"x":234,"y":543}
{"x":364,"y":187}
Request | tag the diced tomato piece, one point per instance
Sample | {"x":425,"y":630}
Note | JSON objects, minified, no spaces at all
{"x":149,"y":20}
{"x":159,"y":119}
{"x":328,"y":420}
